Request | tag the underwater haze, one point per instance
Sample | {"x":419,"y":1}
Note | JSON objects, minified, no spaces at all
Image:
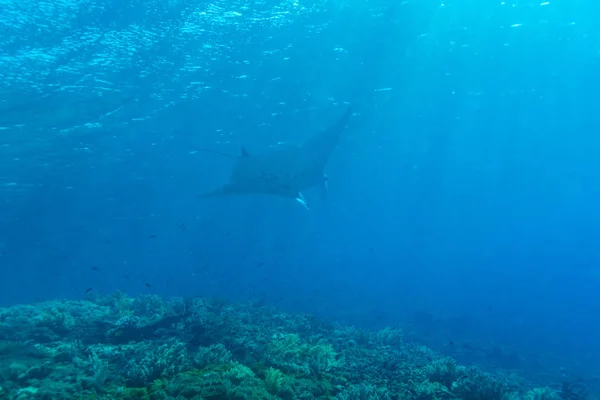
{"x":462,"y":196}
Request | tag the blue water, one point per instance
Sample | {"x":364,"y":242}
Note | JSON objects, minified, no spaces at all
{"x":463,"y":198}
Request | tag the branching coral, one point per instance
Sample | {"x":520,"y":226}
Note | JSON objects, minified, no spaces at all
{"x":444,"y":371}
{"x":120,"y":348}
{"x":541,"y":393}
{"x":149,"y":364}
{"x":477,"y":385}
{"x":290,"y":354}
{"x":214,"y":354}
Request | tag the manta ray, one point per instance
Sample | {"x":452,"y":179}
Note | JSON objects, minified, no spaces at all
{"x":287,"y":171}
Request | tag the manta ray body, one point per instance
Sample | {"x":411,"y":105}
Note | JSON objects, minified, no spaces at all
{"x":288,"y":171}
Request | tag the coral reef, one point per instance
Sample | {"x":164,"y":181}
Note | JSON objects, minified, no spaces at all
{"x":116,"y":347}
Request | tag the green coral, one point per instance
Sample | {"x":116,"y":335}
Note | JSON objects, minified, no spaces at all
{"x":291,"y":355}
{"x":542,"y":393}
{"x":427,"y":390}
{"x":275,"y":380}
{"x":214,"y":350}
{"x":146,"y":365}
{"x":390,"y":336}
{"x":476,"y":385}
{"x":364,"y":392}
{"x":135,"y":394}
{"x":214,"y":354}
{"x":224,"y":381}
{"x":56,"y":318}
{"x":444,"y":371}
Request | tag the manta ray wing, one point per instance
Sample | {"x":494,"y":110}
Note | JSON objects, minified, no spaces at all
{"x":320,"y":146}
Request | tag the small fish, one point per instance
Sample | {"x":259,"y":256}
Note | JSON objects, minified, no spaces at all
{"x":88,"y":290}
{"x":95,"y":268}
{"x":148,"y":285}
{"x":153,"y":236}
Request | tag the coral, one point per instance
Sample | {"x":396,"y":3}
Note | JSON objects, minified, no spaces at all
{"x":276,"y":381}
{"x":290,"y":354}
{"x":322,"y":357}
{"x":51,"y":322}
{"x":119,"y":303}
{"x":427,"y":390}
{"x":477,"y":385}
{"x":363,"y":392}
{"x":149,"y":306}
{"x":165,"y":360}
{"x":389,"y":336}
{"x":444,"y":371}
{"x":135,"y":394}
{"x":227,"y":381}
{"x":285,"y":352}
{"x":542,"y":393}
{"x":214,"y":354}
{"x":97,"y":368}
{"x":117,"y":347}
{"x":27,"y":393}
